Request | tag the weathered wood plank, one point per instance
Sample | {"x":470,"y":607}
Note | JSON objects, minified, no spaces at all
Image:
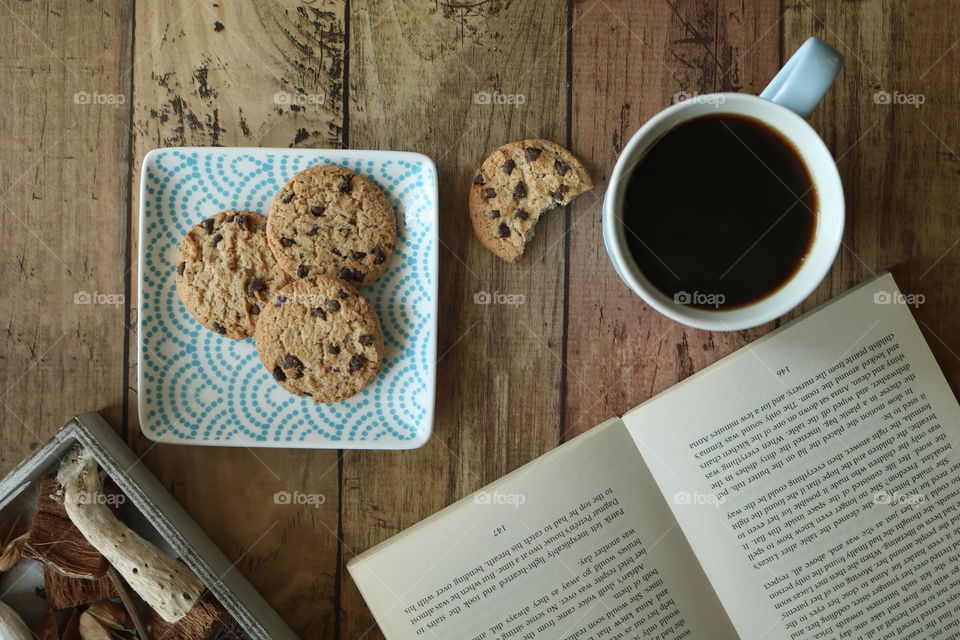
{"x":63,"y":202}
{"x":630,"y":60}
{"x":207,"y":74}
{"x":891,"y":122}
{"x":414,"y":70}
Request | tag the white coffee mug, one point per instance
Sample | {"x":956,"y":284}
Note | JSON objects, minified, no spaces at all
{"x":790,"y":97}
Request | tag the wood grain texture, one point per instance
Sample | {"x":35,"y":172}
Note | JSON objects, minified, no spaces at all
{"x":223,"y":74}
{"x":63,"y":193}
{"x":898,"y":156}
{"x":414,"y":75}
{"x":630,"y":60}
{"x":500,"y":367}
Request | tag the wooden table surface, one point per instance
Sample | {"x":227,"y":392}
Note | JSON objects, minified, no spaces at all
{"x":90,"y":87}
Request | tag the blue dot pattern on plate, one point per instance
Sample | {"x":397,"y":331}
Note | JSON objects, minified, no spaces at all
{"x":199,"y":387}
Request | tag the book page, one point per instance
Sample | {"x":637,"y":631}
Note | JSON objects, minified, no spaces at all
{"x":815,"y":473}
{"x":577,"y":544}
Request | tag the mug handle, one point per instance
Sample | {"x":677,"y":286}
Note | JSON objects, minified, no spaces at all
{"x":803,"y":81}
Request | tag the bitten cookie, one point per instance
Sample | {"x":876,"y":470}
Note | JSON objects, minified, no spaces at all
{"x":330,"y":221}
{"x":226,"y":272}
{"x":320,"y":338}
{"x":516,"y":185}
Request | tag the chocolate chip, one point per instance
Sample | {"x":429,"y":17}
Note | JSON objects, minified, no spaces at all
{"x":489,"y":193}
{"x":366,"y":340}
{"x":243,"y":220}
{"x":358,"y":275}
{"x":317,"y":312}
{"x":219,"y":328}
{"x":254,"y":309}
{"x":561,"y":168}
{"x":215,"y":240}
{"x":292,"y":361}
{"x":509,"y":166}
{"x":560,"y":193}
{"x":343,"y":294}
{"x":313,"y":230}
{"x":297,"y":374}
{"x":286,"y":197}
{"x":504,"y":230}
{"x":520,"y":191}
{"x":254,"y":286}
{"x":345,"y":186}
{"x":180,"y":268}
{"x":278,"y":374}
{"x":287,"y":242}
{"x":359,"y":255}
{"x":532,"y":153}
{"x":333,"y":349}
{"x":478,"y":179}
{"x":303,"y":271}
{"x":357,"y":363}
{"x":207,"y":225}
{"x":317,"y":210}
{"x":336,"y":252}
{"x":494,"y":213}
{"x":280,"y":300}
{"x":332,"y":305}
{"x":229,"y":218}
{"x":346,"y":274}
{"x":381,"y":257}
{"x":521,"y":214}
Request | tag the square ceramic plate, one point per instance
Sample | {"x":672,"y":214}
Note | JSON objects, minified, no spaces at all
{"x":196,"y":387}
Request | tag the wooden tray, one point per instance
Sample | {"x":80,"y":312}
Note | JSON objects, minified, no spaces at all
{"x":159,"y":518}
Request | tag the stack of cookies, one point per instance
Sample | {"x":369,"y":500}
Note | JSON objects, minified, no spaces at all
{"x":291,"y":280}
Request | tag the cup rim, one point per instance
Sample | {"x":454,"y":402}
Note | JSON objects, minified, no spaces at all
{"x":828,"y":237}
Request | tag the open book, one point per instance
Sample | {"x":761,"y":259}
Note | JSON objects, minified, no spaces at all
{"x":806,"y":486}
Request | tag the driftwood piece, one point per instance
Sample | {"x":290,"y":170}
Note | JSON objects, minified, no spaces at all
{"x":165,"y":584}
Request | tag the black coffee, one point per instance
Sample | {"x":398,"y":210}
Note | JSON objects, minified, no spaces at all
{"x":720,"y":212}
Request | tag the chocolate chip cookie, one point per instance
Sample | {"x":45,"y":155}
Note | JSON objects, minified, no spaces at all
{"x":331,"y":221}
{"x":516,"y":185}
{"x":320,"y":338}
{"x":226,"y":272}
